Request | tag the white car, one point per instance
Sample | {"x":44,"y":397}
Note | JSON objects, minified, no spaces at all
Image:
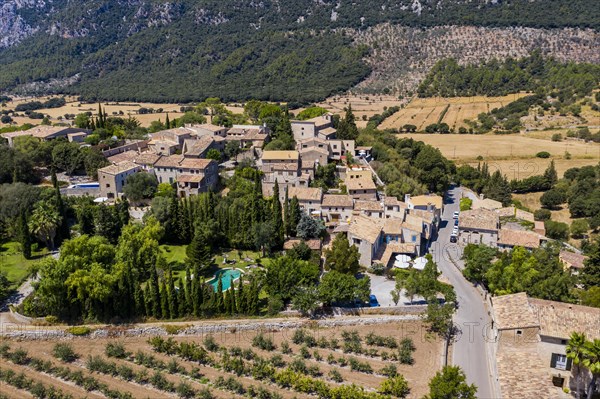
{"x":455,"y":215}
{"x":455,"y":230}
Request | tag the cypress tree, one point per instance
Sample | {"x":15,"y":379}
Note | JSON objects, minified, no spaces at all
{"x":147,"y":301}
{"x":154,"y":291}
{"x":100,"y":123}
{"x":286,"y":213}
{"x":122,"y":210}
{"x":181,"y":298}
{"x":140,"y":301}
{"x":241,"y":300}
{"x":173,"y":305}
{"x":232,"y":299}
{"x":196,"y":291}
{"x":64,"y":231}
{"x":295,"y":214}
{"x":24,"y":235}
{"x":276,"y":217}
{"x":164,"y":299}
{"x":227,"y":302}
{"x":172,"y":232}
{"x":189,"y":305}
{"x":167,"y":122}
{"x":219,"y":297}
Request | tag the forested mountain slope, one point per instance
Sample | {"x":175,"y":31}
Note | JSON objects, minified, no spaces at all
{"x":183,"y":50}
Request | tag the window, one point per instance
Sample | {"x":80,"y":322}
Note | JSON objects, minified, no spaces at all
{"x":560,"y":362}
{"x":519,"y":332}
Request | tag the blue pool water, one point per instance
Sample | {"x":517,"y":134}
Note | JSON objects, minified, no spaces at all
{"x":85,"y":185}
{"x":225,"y":275}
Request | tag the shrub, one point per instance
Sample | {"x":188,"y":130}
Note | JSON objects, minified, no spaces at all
{"x":277,"y":361}
{"x":299,"y":366}
{"x":543,"y":154}
{"x":335,"y":376}
{"x":173,"y":329}
{"x":542,"y":214}
{"x":557,"y":230}
{"x":19,"y":356}
{"x":185,"y":391}
{"x":579,"y":228}
{"x":117,"y":350}
{"x":395,"y":386}
{"x":389,"y":371}
{"x":552,"y":199}
{"x":285,"y":348}
{"x":331,"y":359}
{"x":465,"y":203}
{"x":557,"y":137}
{"x":405,"y":356}
{"x":210,"y":343}
{"x":65,"y":352}
{"x":357,"y":365}
{"x":79,"y":330}
{"x":304,"y":352}
{"x":314,"y":371}
{"x":262,"y":342}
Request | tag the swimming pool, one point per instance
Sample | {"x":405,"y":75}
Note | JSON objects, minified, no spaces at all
{"x":225,"y":275}
{"x":85,"y":185}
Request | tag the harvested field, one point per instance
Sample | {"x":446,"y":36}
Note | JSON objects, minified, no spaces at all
{"x":514,"y":154}
{"x":425,"y":111}
{"x":356,"y":354}
{"x":363,"y":106}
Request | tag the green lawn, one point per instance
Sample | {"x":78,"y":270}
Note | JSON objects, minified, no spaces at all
{"x":14,"y":264}
{"x":176,"y":253}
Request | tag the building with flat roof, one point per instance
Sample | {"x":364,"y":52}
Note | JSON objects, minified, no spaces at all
{"x":45,"y":133}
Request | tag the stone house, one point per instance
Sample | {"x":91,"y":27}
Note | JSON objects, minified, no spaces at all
{"x":309,"y":198}
{"x":509,"y":238}
{"x":369,"y":208}
{"x":572,"y":261}
{"x":321,"y":126}
{"x":360,"y":185}
{"x":170,"y":141}
{"x":367,"y":235}
{"x":337,"y":208}
{"x":192,"y":175}
{"x":47,"y":133}
{"x":530,"y":338}
{"x":282,"y":167}
{"x":479,"y":226}
{"x":249,"y":135}
{"x":112,"y":178}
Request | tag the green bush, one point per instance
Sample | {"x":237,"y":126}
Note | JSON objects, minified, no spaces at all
{"x":336,"y":376}
{"x":117,"y":350}
{"x":262,"y":342}
{"x":543,"y":154}
{"x":64,"y":352}
{"x":79,"y":330}
{"x":542,"y":214}
{"x":465,"y":203}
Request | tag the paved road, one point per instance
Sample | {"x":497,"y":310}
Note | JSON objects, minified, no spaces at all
{"x":471,"y":349}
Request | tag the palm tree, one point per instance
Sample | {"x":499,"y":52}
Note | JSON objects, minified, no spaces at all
{"x":44,"y":222}
{"x":575,"y":353}
{"x":591,"y":361}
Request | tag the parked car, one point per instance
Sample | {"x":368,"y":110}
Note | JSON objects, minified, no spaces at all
{"x":373,"y":302}
{"x":455,"y":215}
{"x":455,"y":230}
{"x":453,"y":238}
{"x":455,"y":222}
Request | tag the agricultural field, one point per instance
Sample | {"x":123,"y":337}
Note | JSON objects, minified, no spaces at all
{"x":269,"y":364}
{"x":363,"y":106}
{"x":75,"y":107}
{"x":514,"y":154}
{"x":532,"y":201}
{"x":425,"y":111}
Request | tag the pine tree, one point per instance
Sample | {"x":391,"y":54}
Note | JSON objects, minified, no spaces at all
{"x":164,"y":300}
{"x":198,"y":254}
{"x":24,"y":235}
{"x":276,"y":217}
{"x":154,"y":291}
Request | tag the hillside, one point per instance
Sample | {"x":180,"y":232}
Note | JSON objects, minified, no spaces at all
{"x":157,"y":50}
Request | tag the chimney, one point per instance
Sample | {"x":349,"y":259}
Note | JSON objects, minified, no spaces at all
{"x":481,"y":196}
{"x":407,"y":198}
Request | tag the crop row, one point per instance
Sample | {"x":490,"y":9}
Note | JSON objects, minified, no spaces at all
{"x":292,"y":377}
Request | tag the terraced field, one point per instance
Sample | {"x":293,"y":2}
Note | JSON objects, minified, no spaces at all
{"x":269,"y":364}
{"x":425,"y":111}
